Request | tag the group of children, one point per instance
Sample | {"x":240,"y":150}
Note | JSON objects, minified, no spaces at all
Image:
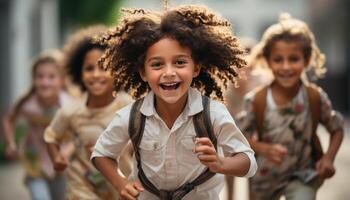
{"x":177,"y":140}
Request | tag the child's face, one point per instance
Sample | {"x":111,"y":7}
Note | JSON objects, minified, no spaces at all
{"x":287,"y":63}
{"x":47,"y":80}
{"x":97,"y":81}
{"x":169,"y":70}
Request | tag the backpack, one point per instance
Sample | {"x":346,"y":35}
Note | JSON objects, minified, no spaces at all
{"x":259,"y":105}
{"x":203,"y":128}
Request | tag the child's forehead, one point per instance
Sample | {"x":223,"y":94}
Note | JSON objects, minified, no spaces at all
{"x":168,"y":45}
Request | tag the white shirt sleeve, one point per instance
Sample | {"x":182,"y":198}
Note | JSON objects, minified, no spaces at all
{"x":230,"y":138}
{"x":115,"y":137}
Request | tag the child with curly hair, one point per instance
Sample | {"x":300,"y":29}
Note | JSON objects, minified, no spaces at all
{"x":83,"y":121}
{"x":280,"y":119}
{"x":29,"y":117}
{"x":172,"y":59}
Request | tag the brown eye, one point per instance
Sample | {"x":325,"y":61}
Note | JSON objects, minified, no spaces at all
{"x":88,"y":68}
{"x":294,"y":58}
{"x":156,"y":64}
{"x":277,"y":59}
{"x":180,"y":62}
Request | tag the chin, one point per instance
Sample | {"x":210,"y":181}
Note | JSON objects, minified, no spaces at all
{"x":288,"y":84}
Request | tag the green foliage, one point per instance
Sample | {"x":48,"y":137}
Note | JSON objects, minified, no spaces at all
{"x":87,"y":12}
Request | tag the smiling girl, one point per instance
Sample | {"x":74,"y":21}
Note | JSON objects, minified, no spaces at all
{"x":280,"y":120}
{"x":82,"y":122}
{"x":30,"y":115}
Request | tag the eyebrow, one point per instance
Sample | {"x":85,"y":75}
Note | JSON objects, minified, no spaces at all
{"x":160,"y":58}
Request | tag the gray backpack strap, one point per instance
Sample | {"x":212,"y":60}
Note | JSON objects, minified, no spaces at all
{"x":136,"y":127}
{"x":202,"y":123}
{"x":136,"y":123}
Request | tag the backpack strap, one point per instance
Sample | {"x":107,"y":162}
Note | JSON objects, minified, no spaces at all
{"x":315,"y":109}
{"x":259,"y":105}
{"x":202,"y":123}
{"x":203,"y":128}
{"x":136,"y":127}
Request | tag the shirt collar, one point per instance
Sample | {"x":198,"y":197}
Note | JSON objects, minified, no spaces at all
{"x":193,"y":106}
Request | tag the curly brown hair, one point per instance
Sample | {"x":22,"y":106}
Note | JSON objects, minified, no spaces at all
{"x":78,"y":45}
{"x":212,"y":44}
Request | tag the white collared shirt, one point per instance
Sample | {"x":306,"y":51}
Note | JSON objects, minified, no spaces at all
{"x":167,"y":154}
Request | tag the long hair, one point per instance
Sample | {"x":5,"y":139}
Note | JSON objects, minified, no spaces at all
{"x":54,"y":57}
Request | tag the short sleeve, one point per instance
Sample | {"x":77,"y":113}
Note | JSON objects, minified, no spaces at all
{"x":331,"y":119}
{"x":115,"y":137}
{"x":56,"y":132}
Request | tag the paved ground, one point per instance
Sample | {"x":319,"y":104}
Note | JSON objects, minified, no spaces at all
{"x":12,"y":188}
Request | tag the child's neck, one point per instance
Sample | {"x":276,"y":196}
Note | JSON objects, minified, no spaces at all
{"x":282,"y":95}
{"x":170,"y":112}
{"x":99,"y":101}
{"x":47,"y":102}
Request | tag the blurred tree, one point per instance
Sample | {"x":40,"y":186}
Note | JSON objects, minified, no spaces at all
{"x":79,"y":13}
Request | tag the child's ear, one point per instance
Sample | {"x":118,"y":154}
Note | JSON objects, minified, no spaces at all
{"x":197,"y":70}
{"x":142,"y":74}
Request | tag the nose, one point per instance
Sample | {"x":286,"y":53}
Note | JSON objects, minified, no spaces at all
{"x":285,"y":65}
{"x":97,"y":72}
{"x":169,"y":71}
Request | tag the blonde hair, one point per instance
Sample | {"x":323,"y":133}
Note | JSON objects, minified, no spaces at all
{"x":290,"y":29}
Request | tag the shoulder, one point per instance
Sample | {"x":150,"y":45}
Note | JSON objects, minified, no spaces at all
{"x":30,"y":105}
{"x":317,"y":90}
{"x":65,"y":98}
{"x":218,"y":111}
{"x":257,"y":92}
{"x":121,"y":117}
{"x":124,"y":112}
{"x":122,"y":99}
{"x":72,"y":106}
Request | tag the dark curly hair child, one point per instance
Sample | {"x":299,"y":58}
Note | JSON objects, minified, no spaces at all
{"x":82,"y":122}
{"x":164,"y":57}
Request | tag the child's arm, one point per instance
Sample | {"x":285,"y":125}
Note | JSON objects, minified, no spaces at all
{"x":325,"y":166}
{"x":274,"y":152}
{"x":236,"y":165}
{"x":54,"y":134}
{"x":59,"y":161}
{"x":109,"y":169}
{"x":334,"y":123}
{"x":11,"y":147}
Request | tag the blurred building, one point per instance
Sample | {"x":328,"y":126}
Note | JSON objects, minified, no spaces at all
{"x":27,"y":27}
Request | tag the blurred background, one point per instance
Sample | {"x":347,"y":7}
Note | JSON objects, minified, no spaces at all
{"x":30,"y":26}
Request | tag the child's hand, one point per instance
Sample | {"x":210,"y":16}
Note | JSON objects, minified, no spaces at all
{"x":60,"y":163}
{"x":325,"y":167}
{"x":131,"y":190}
{"x":206,"y":154}
{"x":276,"y":153}
{"x":11,"y":152}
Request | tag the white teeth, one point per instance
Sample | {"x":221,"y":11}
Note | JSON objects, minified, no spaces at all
{"x":169,"y":84}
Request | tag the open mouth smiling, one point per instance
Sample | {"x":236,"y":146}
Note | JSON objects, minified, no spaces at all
{"x":169,"y":86}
